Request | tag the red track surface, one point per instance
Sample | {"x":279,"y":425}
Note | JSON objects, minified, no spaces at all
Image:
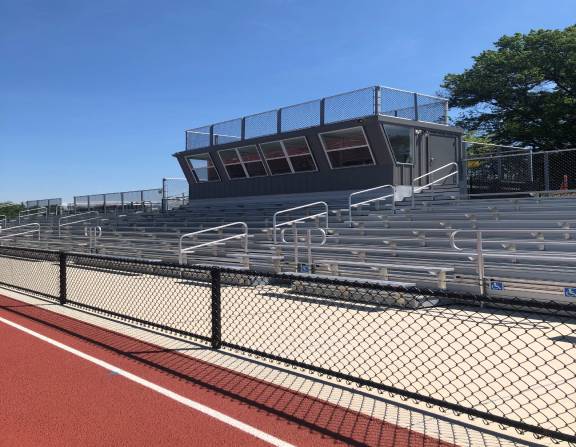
{"x":51,"y":397}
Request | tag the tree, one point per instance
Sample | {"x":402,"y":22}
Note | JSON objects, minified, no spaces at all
{"x":10,"y":209}
{"x":523,"y":92}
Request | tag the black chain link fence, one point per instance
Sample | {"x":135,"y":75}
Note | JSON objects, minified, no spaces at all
{"x":550,"y":171}
{"x":508,"y":361}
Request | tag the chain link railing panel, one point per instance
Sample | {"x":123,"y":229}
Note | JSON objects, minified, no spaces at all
{"x":176,"y":299}
{"x":43,"y":203}
{"x":265,"y":123}
{"x":34,"y":271}
{"x":397,"y":103}
{"x":432,"y":109}
{"x":199,"y":137}
{"x":350,"y":105}
{"x":301,"y":116}
{"x":119,"y":200}
{"x":228,"y":131}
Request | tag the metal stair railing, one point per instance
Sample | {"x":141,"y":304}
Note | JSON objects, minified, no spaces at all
{"x":95,"y":215}
{"x":377,"y":199}
{"x":308,"y":240}
{"x":182,"y":251}
{"x":93,"y":233}
{"x":276,"y":225}
{"x":480,"y":253}
{"x":42,"y":211}
{"x":420,"y":188}
{"x":35,"y":228}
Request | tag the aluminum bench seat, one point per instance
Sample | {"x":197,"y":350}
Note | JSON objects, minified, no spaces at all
{"x":383,"y":268}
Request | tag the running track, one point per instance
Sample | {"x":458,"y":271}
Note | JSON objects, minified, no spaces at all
{"x":66,"y":382}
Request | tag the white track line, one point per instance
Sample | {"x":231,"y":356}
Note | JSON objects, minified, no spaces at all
{"x":154,"y":387}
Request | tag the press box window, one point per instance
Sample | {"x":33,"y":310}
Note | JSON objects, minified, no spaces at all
{"x":243,"y":162}
{"x":347,"y":148}
{"x":288,"y":156}
{"x":401,"y":141}
{"x":203,"y":168}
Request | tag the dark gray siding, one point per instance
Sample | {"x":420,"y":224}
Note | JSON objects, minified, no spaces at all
{"x":385,"y":171}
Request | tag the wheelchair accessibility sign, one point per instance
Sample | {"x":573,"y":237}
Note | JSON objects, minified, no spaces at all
{"x":496,"y":285}
{"x":570,"y":292}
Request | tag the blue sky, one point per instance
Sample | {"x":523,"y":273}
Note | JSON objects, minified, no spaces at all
{"x":95,"y":95}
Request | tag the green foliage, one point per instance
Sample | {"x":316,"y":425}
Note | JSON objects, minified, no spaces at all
{"x":522,"y":92}
{"x":10,"y":209}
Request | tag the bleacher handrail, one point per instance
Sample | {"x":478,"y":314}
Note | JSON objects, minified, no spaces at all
{"x":93,"y":234}
{"x":308,"y":241}
{"x":60,"y":224}
{"x":36,"y":229}
{"x":451,"y":174}
{"x":275,"y":223}
{"x":377,"y":199}
{"x":244,"y":235}
{"x":32,"y":212}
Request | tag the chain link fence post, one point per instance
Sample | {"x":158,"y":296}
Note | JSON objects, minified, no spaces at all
{"x":546,"y":172}
{"x":63,"y":283}
{"x":216,"y":338}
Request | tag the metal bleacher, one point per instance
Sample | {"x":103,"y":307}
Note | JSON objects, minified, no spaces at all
{"x":527,"y":246}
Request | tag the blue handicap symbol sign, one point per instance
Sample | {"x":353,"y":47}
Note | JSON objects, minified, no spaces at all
{"x":496,"y":285}
{"x":304,"y":268}
{"x":570,"y":292}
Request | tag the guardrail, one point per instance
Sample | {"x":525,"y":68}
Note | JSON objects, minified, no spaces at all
{"x":276,"y":225}
{"x":32,"y":212}
{"x":43,"y":203}
{"x":182,"y":251}
{"x":60,"y":224}
{"x":377,"y":199}
{"x":36,"y":229}
{"x":481,"y":254}
{"x":370,"y":101}
{"x":420,"y":188}
{"x":119,"y":200}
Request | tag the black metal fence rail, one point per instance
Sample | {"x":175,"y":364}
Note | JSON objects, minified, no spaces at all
{"x":509,"y":361}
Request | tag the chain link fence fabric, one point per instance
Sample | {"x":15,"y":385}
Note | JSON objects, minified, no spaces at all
{"x":550,"y":171}
{"x":34,"y":271}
